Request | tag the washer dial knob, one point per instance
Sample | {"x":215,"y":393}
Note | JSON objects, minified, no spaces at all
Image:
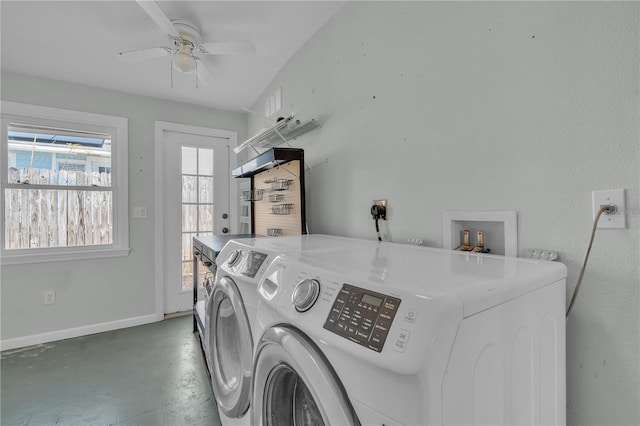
{"x":234,"y":257}
{"x":305,"y":294}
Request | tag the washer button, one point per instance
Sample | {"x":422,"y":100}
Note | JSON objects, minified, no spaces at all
{"x":401,"y":341}
{"x":411,"y":316}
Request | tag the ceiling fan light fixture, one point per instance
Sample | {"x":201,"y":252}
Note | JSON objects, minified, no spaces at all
{"x":186,"y":40}
{"x":184,"y":62}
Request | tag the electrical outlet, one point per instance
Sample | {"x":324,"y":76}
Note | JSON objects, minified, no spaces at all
{"x":382,"y":203}
{"x":542,"y":254}
{"x":49,"y":297}
{"x":415,"y":241}
{"x":615,"y":197}
{"x":139,"y":212}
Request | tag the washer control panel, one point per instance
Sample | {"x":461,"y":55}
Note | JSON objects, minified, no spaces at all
{"x":362,"y":316}
{"x":246,"y":263}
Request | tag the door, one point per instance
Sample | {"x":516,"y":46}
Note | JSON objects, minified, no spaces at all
{"x":230,"y":348}
{"x":293,"y":383}
{"x":195,"y":202}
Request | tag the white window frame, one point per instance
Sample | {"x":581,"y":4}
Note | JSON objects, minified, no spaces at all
{"x":61,"y":118}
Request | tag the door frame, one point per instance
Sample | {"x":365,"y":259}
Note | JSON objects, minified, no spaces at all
{"x":160,"y":128}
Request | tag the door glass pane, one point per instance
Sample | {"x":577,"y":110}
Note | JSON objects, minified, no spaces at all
{"x":189,"y":160}
{"x":189,"y":218}
{"x":205,"y":219}
{"x":197,"y":203}
{"x":187,"y":262}
{"x":205,"y":160}
{"x":205,"y":189}
{"x":187,"y":276}
{"x":187,"y":239}
{"x":189,"y":189}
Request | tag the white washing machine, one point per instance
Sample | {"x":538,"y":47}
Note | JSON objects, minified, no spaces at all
{"x":397,"y":334}
{"x":231,"y":313}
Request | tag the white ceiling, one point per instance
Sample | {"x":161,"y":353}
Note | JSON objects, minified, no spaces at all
{"x":79,"y":42}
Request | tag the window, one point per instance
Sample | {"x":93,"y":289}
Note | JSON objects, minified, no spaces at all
{"x":64,"y":184}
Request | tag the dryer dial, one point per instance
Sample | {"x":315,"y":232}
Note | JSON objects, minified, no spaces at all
{"x":305,"y":294}
{"x":234,"y":257}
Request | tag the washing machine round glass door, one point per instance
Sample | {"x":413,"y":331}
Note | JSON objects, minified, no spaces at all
{"x":231,"y":349}
{"x":294,"y":384}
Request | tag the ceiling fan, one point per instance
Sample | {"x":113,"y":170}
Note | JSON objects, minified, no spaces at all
{"x":187,"y":42}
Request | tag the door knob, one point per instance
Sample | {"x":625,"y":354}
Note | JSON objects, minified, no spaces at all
{"x":225,"y":230}
{"x":225,"y":216}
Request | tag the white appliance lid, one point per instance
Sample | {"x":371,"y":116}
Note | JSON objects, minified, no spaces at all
{"x":303,"y":243}
{"x":480,"y":281}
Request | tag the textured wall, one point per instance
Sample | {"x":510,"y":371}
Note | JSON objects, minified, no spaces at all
{"x":98,"y":291}
{"x":524,"y":106}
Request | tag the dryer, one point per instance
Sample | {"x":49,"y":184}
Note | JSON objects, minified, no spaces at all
{"x":397,"y":334}
{"x":230,"y":327}
{"x":231,"y":313}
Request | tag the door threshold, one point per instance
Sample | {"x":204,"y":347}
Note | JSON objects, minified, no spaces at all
{"x":178,"y":314}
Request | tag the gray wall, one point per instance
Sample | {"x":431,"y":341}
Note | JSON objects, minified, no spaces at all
{"x":521,"y":106}
{"x":99,"y":291}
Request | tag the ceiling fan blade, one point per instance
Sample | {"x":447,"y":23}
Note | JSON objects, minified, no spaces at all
{"x":154,"y":11}
{"x":141,"y":55}
{"x":228,"y":48}
{"x":204,"y":75}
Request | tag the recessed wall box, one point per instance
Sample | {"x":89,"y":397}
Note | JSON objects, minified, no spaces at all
{"x":500,"y":229}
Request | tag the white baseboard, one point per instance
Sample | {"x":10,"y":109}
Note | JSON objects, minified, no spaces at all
{"x":52,"y":336}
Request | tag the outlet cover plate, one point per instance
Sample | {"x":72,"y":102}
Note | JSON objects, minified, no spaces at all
{"x":382,"y":203}
{"x":615,"y":197}
{"x":139,"y":212}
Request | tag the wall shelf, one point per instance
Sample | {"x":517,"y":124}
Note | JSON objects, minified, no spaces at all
{"x":281,"y":132}
{"x":277,"y":206}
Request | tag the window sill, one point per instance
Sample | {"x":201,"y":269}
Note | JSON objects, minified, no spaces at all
{"x":60,"y":255}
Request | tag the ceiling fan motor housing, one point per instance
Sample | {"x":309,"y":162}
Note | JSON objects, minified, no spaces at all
{"x":183,"y":59}
{"x":188,"y":33}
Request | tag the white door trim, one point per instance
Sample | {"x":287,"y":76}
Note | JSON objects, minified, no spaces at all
{"x":160,"y":128}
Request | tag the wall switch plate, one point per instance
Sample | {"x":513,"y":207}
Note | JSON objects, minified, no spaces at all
{"x":139,"y":212}
{"x":49,"y":297}
{"x":615,"y":197}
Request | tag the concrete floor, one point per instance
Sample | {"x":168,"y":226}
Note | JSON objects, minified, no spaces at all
{"x":148,"y":375}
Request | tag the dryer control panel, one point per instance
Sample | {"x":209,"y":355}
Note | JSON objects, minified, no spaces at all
{"x":362,"y":316}
{"x":246,"y":263}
